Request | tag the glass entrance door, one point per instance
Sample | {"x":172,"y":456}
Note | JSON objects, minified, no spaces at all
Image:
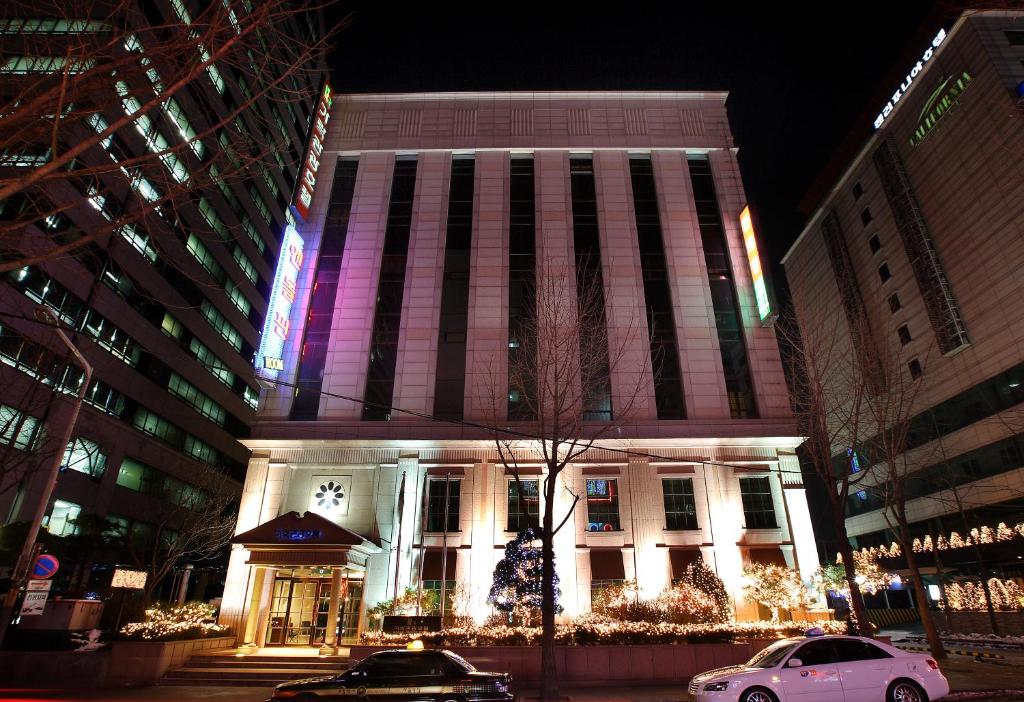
{"x":299,"y":609}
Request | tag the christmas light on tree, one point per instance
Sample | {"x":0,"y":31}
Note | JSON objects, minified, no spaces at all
{"x":699,"y":576}
{"x":517,"y":584}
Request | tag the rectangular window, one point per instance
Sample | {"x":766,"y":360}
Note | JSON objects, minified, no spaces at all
{"x":450,"y":379}
{"x":680,"y":506}
{"x":521,"y":286}
{"x":84,"y":456}
{"x":18,"y":429}
{"x":317,"y":333}
{"x":875,"y":243}
{"x":136,"y":475}
{"x":894,"y":303}
{"x":597,"y":400}
{"x":221,"y":325}
{"x":523,"y":514}
{"x":865,"y":216}
{"x":883,"y":272}
{"x":858,"y":190}
{"x":915,"y":368}
{"x":1015,"y":36}
{"x":758,"y":505}
{"x":380,"y":376}
{"x":197,"y":400}
{"x":436,"y":499}
{"x":61,"y":520}
{"x":904,"y":333}
{"x":603,"y":504}
{"x":724,"y":300}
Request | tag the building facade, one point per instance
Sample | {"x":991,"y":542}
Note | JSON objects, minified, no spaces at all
{"x":920,"y":241}
{"x":167,"y":307}
{"x":374,"y":465}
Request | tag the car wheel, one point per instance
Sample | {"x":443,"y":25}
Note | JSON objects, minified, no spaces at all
{"x":758,"y":694}
{"x":906,"y":691}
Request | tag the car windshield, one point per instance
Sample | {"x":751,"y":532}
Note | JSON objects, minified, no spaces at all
{"x":461,"y":661}
{"x":773,"y":655}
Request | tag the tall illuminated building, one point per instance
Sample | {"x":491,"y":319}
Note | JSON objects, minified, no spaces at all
{"x":430,"y":217}
{"x":168,"y":308}
{"x":917,"y":234}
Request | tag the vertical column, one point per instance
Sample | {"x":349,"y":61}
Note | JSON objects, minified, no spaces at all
{"x":345,"y":370}
{"x":331,"y":636}
{"x":253,"y":615}
{"x":646,"y":521}
{"x":379,"y":579}
{"x":237,"y":580}
{"x":421,"y":309}
{"x":573,"y":566}
{"x":265,"y":597}
{"x":727,"y":526}
{"x":761,"y":342}
{"x":487,"y":335}
{"x":804,"y":545}
{"x":628,"y":336}
{"x":410,"y":499}
{"x":553,"y":208}
{"x":701,"y":361}
{"x":482,"y":552}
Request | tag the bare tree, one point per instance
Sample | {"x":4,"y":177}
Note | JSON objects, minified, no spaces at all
{"x":189,"y":523}
{"x":106,"y":107}
{"x":562,"y":371}
{"x":827,"y":389}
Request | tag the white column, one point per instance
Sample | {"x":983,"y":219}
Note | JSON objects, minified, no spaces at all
{"x":331,"y":637}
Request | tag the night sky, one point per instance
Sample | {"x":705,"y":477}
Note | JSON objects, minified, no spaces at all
{"x":798,"y":82}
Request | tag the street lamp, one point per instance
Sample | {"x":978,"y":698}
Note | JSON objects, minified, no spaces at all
{"x":21,"y":569}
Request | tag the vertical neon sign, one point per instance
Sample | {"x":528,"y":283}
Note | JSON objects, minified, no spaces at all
{"x":270,"y":357}
{"x":764,"y":308}
{"x":314,"y":151}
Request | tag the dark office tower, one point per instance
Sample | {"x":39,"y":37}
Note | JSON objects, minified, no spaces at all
{"x":154,"y":241}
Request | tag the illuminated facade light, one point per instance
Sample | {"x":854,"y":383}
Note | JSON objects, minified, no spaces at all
{"x":906,"y":82}
{"x":764,"y":307}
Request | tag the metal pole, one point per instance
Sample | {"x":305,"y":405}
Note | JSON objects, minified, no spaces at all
{"x":444,"y":544}
{"x":20,"y":574}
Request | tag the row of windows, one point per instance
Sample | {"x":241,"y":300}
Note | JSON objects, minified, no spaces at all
{"x":198,"y":400}
{"x":141,"y":477}
{"x":602,"y":503}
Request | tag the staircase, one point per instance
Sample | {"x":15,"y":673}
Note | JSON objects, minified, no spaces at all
{"x":227,"y":669}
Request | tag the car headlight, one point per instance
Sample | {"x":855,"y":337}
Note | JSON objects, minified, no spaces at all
{"x":717,"y":686}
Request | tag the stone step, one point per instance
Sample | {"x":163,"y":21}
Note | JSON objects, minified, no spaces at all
{"x":232,"y":662}
{"x":266,"y":677}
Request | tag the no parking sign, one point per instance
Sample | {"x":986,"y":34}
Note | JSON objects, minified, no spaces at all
{"x":45,"y":566}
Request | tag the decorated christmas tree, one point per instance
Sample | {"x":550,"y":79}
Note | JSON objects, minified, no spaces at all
{"x":516,"y":590}
{"x":699,"y":576}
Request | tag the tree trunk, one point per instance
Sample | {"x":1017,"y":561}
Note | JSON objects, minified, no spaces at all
{"x":549,"y":691}
{"x":993,"y":622}
{"x":930,"y":631}
{"x":860,"y":611}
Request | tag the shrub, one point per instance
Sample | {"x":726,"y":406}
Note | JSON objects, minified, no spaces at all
{"x":172,"y":622}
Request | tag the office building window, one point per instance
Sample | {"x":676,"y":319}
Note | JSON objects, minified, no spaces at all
{"x":84,"y":456}
{"x":306,"y":405}
{"x":758,"y":505}
{"x":439,"y":493}
{"x":680,"y":506}
{"x":914,"y":366}
{"x":894,"y":303}
{"x":521,"y":286}
{"x":858,"y":190}
{"x":18,"y":429}
{"x":450,"y":379}
{"x":865,"y":216}
{"x":603,"y":504}
{"x":522,"y":514}
{"x":875,"y":243}
{"x":606,"y":570}
{"x":668,"y":378}
{"x":61,"y":520}
{"x":883,"y":272}
{"x":728,"y":320}
{"x":597,"y":400}
{"x":136,"y":475}
{"x":380,"y":376}
{"x":904,"y":333}
{"x":1015,"y":36}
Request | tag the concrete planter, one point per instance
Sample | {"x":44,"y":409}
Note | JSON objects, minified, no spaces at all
{"x":602,"y":665}
{"x":145,"y":662}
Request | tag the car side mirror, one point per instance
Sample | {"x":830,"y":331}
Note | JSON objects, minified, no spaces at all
{"x":794,"y":663}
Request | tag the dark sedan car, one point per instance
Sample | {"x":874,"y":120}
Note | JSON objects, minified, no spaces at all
{"x":404,"y":676}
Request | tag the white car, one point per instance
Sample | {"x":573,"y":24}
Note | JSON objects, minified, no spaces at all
{"x":820,"y":668}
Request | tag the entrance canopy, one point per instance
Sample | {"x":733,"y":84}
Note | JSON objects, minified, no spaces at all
{"x":295,"y":539}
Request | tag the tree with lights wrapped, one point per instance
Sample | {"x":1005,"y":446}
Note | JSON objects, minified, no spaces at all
{"x":517,"y":589}
{"x":699,"y":576}
{"x":775,"y":587}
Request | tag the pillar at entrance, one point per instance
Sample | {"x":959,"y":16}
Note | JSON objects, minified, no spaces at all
{"x":330,"y":645}
{"x":253,"y":615}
